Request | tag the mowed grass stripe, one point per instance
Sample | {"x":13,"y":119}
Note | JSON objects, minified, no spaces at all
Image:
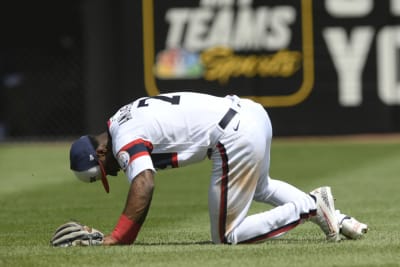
{"x":28,"y":166}
{"x":363,"y":177}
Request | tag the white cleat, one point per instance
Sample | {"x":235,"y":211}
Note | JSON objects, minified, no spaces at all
{"x":351,"y":228}
{"x":326,"y":218}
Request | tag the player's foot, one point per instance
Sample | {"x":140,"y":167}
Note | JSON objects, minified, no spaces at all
{"x":326,"y":217}
{"x":350,"y":227}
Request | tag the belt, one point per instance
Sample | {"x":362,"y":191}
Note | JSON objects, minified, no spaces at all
{"x":218,"y":131}
{"x":227,"y":118}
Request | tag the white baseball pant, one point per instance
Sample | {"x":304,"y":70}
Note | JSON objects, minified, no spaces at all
{"x":241,"y":161}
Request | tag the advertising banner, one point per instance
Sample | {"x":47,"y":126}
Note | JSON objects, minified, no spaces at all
{"x":327,"y":66}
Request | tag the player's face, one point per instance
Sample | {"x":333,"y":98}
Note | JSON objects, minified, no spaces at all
{"x":111,"y":165}
{"x":105,"y":155}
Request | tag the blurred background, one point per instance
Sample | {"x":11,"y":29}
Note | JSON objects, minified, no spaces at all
{"x":326,"y":67}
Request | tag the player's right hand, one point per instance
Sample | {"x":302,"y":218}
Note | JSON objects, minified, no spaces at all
{"x":109,"y":241}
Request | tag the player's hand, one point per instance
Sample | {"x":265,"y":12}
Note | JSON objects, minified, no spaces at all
{"x":109,"y":241}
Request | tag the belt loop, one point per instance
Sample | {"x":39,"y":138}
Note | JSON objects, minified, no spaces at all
{"x":235,"y":102}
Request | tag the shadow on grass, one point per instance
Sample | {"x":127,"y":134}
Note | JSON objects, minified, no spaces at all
{"x":184,"y":243}
{"x":270,"y":241}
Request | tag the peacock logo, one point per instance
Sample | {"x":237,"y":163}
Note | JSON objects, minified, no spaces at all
{"x":178,"y":63}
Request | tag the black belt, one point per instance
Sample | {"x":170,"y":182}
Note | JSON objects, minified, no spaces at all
{"x":227,"y":118}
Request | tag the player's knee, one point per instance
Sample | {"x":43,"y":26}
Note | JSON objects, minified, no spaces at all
{"x":231,"y":238}
{"x":223,"y":239}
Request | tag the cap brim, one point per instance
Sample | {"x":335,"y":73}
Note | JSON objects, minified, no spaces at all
{"x":104,"y":177}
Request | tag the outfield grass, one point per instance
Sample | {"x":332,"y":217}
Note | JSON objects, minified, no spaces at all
{"x":38,"y":193}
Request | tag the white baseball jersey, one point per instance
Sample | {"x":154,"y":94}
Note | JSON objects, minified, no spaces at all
{"x":169,"y":130}
{"x":173,"y":130}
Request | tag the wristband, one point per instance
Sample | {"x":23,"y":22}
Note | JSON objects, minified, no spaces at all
{"x":126,"y":230}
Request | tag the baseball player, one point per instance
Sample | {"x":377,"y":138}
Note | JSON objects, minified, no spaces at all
{"x":177,"y":129}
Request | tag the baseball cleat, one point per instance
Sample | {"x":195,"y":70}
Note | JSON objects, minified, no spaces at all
{"x":351,"y":228}
{"x":326,"y":217}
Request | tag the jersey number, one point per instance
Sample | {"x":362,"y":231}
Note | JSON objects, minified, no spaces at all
{"x":173,"y":100}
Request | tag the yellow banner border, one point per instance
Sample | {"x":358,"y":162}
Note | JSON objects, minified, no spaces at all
{"x":267,"y":101}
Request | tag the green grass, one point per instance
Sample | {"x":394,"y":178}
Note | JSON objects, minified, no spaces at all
{"x":38,"y":192}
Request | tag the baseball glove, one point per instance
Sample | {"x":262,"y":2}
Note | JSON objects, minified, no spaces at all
{"x":75,"y":234}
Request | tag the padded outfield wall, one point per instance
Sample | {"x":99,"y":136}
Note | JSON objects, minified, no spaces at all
{"x":317,"y":66}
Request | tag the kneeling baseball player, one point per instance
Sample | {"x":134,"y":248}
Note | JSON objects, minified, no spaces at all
{"x":177,"y":129}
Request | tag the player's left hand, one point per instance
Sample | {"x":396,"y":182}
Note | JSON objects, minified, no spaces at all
{"x":75,"y":234}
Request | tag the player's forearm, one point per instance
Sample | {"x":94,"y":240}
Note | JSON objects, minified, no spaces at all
{"x":136,"y":208}
{"x":139,"y":197}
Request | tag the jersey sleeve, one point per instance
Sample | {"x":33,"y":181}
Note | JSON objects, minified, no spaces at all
{"x":134,"y":158}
